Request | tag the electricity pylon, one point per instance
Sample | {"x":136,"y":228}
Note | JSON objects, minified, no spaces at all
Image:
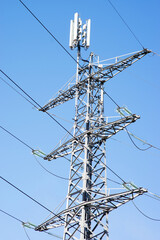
{"x":88,"y":203}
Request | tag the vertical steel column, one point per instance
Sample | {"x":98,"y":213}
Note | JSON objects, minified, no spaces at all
{"x":74,"y":134}
{"x":87,"y":174}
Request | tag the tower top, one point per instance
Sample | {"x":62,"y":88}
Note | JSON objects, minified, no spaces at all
{"x":79,"y":34}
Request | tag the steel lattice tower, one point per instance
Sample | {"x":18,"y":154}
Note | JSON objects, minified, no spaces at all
{"x":88,"y":203}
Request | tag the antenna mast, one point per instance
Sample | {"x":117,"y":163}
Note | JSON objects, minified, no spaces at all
{"x":88,"y":201}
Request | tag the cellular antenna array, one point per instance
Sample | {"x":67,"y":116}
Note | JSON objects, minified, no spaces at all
{"x":88,"y":200}
{"x":79,"y":33}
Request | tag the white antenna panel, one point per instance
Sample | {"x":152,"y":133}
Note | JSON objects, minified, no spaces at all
{"x":88,"y":22}
{"x":71,"y":33}
{"x":76,"y":20}
{"x":79,"y":33}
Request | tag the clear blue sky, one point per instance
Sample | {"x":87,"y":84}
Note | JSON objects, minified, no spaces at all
{"x":39,"y":65}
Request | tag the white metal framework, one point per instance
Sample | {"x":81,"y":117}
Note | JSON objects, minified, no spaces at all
{"x":88,"y":204}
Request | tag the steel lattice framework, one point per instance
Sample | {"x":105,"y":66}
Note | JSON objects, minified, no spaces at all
{"x":88,"y":205}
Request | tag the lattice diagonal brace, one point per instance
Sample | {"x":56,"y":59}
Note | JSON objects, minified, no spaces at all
{"x":86,"y":215}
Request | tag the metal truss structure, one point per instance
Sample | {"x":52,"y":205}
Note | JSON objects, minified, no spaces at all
{"x":88,"y":204}
{"x":98,"y":76}
{"x":105,"y":205}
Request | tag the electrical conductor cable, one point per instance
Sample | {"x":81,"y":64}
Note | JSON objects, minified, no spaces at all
{"x":125,"y":23}
{"x":55,"y":175}
{"x":49,"y":32}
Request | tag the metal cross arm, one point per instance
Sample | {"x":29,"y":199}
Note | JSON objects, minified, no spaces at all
{"x":102,"y":75}
{"x":110,"y":71}
{"x":106,"y":203}
{"x":101,"y":132}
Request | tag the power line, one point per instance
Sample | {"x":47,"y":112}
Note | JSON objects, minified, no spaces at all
{"x":112,"y":99}
{"x":51,"y":234}
{"x":131,"y":134}
{"x":113,"y":171}
{"x":125,"y":23}
{"x":113,"y":181}
{"x":26,"y":194}
{"x":116,"y":174}
{"x":19,"y":87}
{"x":17,"y":219}
{"x":9,"y":215}
{"x":50,"y":115}
{"x":34,"y":200}
{"x":36,"y":102}
{"x":16,"y":138}
{"x":26,"y":233}
{"x":48,"y":31}
{"x":24,"y":224}
{"x":17,"y":92}
{"x":126,"y":127}
{"x":152,"y":197}
{"x":141,"y":149}
{"x":53,"y":174}
{"x":153,"y":219}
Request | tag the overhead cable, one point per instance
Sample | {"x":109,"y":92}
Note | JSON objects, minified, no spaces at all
{"x":113,"y":181}
{"x":34,"y":200}
{"x":19,"y":87}
{"x":125,"y":23}
{"x":35,"y":102}
{"x":26,"y":224}
{"x":15,"y":218}
{"x":141,"y":149}
{"x":53,"y":174}
{"x":17,"y":138}
{"x":18,"y":92}
{"x":33,"y":151}
{"x":112,"y":99}
{"x":154,"y":196}
{"x":115,"y":174}
{"x":26,"y":233}
{"x":48,"y":31}
{"x":129,"y":134}
{"x":153,"y":219}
